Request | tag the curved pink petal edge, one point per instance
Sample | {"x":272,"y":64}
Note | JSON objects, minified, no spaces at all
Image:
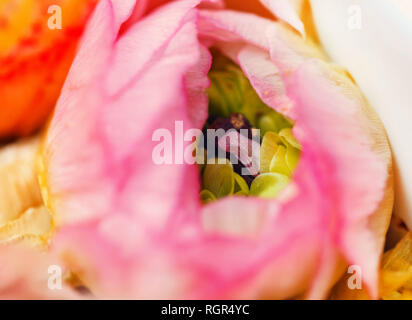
{"x":134,"y":229}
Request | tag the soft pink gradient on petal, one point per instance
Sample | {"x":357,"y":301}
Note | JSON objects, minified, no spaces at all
{"x":95,"y":186}
{"x":346,"y":151}
{"x":102,"y":158}
{"x":262,"y":73}
{"x":18,"y":281}
{"x":229,"y":26}
{"x":196,"y":82}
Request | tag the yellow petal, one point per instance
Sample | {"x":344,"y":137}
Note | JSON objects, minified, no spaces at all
{"x":19,"y":189}
{"x":23,"y":217}
{"x":35,"y":223}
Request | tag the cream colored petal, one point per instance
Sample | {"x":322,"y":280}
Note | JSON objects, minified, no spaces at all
{"x":23,"y":217}
{"x":373,"y":39}
{"x":19,"y":189}
{"x":34,"y":224}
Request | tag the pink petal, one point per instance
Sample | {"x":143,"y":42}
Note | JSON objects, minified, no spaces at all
{"x":102,"y":158}
{"x":107,"y":190}
{"x":17,"y":281}
{"x":98,"y":38}
{"x":145,"y":7}
{"x":347,"y":150}
{"x":263,"y":74}
{"x":230,"y":26}
{"x":196,"y":82}
{"x":342,"y":143}
{"x":227,"y":25}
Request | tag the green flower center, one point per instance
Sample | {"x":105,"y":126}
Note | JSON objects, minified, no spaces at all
{"x":236,"y":108}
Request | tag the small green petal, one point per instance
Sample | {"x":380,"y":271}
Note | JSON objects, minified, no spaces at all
{"x":278,"y":163}
{"x":268,"y":150}
{"x":218,"y":178}
{"x":268,"y":185}
{"x":240,"y":184}
{"x":287,"y":137}
{"x":206,"y":196}
{"x":292,"y":157}
{"x":266,"y":124}
{"x":227,"y":89}
{"x":242,"y":194}
{"x":272,"y":121}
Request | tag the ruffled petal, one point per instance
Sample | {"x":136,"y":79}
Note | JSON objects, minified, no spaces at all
{"x":350,"y":207}
{"x":346,"y":150}
{"x":131,"y":228}
{"x":107,"y":193}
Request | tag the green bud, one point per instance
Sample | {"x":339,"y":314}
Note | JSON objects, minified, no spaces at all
{"x":219,"y":179}
{"x":268,"y":185}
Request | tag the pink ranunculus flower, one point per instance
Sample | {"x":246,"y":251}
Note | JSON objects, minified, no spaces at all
{"x":132,"y":229}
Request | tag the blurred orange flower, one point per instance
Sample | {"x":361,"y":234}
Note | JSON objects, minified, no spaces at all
{"x":34,"y":59}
